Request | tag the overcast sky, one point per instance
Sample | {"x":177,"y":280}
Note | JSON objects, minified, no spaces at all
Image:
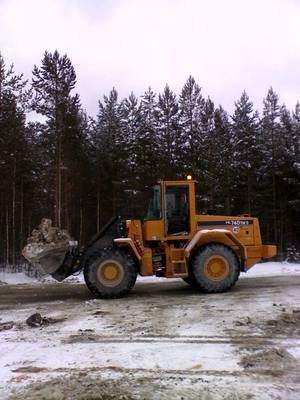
{"x":227,"y":45}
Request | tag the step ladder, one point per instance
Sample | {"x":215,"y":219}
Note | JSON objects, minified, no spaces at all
{"x":178,"y":263}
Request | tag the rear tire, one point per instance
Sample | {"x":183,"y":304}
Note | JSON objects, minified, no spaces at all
{"x":110,"y":273}
{"x":216,"y":268}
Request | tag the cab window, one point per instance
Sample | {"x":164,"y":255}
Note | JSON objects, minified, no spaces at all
{"x":154,"y":204}
{"x":177,"y":210}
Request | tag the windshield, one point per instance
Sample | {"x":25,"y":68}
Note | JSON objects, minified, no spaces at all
{"x":154,"y":203}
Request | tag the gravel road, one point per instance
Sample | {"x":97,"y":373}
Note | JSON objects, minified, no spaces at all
{"x":163,"y":341}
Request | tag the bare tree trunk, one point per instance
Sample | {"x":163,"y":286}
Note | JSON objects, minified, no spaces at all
{"x":81,"y":223}
{"x":68,"y":202}
{"x":274,"y":189}
{"x":14,"y":213}
{"x":21,"y":216}
{"x":274,"y":205}
{"x":7,"y":238}
{"x":114,"y":199}
{"x":59,"y":184}
{"x":248,"y":191}
{"x":29,"y":224}
{"x":281,"y":243}
{"x":98,"y":210}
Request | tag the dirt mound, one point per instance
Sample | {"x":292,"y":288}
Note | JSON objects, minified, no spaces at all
{"x":274,"y":359}
{"x":79,"y":387}
{"x":287,"y":323}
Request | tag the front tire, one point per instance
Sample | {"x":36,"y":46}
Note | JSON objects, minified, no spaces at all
{"x":110,"y":273}
{"x":215,"y":268}
{"x":190,"y":280}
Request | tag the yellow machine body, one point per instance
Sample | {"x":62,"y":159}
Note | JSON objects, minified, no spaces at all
{"x":155,"y":238}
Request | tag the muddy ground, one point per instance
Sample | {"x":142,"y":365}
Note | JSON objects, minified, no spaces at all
{"x":163,"y":341}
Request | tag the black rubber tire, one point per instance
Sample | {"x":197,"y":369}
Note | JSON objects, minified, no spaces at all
{"x":129,"y":273}
{"x":190,"y":280}
{"x":198,"y":268}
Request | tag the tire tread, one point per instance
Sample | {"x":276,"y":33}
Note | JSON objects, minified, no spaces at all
{"x":203,"y":282}
{"x":124,"y":287}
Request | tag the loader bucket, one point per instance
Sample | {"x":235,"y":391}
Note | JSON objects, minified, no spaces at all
{"x":47,"y":249}
{"x":46,"y":258}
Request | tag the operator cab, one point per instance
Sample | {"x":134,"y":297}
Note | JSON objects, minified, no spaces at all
{"x":169,"y":210}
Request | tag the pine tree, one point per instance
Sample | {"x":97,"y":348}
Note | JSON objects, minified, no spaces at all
{"x":271,"y":145}
{"x":191,"y":107}
{"x":245,"y":153}
{"x":168,"y":135}
{"x":147,"y":142}
{"x":110,"y":156}
{"x":131,"y":118}
{"x":289,"y":194}
{"x":225,"y":173}
{"x":53,"y":83}
{"x":207,"y":146}
{"x":133,"y":181}
{"x":15,"y":164}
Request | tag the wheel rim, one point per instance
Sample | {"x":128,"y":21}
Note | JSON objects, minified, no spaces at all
{"x":110,"y":273}
{"x":216,"y":268}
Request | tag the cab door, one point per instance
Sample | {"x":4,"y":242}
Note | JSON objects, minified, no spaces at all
{"x":177,"y":210}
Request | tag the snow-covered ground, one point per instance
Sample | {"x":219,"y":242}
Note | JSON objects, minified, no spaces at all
{"x":163,"y":341}
{"x":261,"y":269}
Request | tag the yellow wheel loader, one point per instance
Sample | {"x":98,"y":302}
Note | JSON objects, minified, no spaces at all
{"x":172,"y":241}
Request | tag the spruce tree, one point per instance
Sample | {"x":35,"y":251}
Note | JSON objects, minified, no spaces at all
{"x":110,"y":156}
{"x":15,"y":162}
{"x":168,"y":135}
{"x":225,"y":173}
{"x":245,"y":154}
{"x":63,"y":143}
{"x":207,"y":146}
{"x":52,"y":84}
{"x":191,"y":105}
{"x":147,"y":141}
{"x":270,"y":136}
{"x":288,"y":176}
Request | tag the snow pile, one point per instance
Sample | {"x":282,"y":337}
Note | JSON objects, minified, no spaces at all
{"x":273,"y":268}
{"x":20,"y":278}
{"x":15,"y":278}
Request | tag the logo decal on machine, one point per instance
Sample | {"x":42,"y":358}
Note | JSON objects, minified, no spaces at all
{"x":230,"y":222}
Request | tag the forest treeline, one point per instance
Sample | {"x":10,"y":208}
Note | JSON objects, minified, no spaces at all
{"x":80,"y":171}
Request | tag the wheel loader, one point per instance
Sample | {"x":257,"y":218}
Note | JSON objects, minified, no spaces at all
{"x":172,"y":241}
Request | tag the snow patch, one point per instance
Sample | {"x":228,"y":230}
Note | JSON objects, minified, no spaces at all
{"x":273,"y":268}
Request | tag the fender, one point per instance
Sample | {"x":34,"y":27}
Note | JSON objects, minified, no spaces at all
{"x":127,"y":242}
{"x":218,"y":235}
